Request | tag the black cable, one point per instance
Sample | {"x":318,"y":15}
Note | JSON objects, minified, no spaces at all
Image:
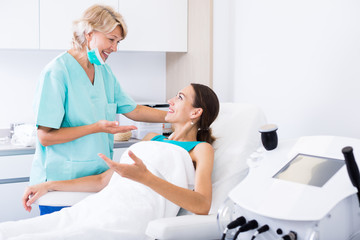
{"x":246,"y":227}
{"x":237,"y":222}
{"x":260,"y":230}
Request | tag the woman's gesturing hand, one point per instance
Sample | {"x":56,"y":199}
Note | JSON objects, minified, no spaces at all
{"x":32,"y":193}
{"x":113,"y":127}
{"x":136,"y":171}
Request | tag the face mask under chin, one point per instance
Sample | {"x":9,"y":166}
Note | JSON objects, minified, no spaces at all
{"x":94,"y":56}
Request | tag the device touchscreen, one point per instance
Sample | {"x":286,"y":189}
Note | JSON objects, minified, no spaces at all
{"x":309,"y":170}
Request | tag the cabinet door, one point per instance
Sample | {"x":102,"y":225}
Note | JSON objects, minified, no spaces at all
{"x":14,"y":172}
{"x":11,"y":208}
{"x":155,"y":25}
{"x":16,"y":166}
{"x":56,"y":17}
{"x":19,"y":24}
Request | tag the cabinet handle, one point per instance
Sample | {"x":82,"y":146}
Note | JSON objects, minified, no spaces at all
{"x":14,"y":180}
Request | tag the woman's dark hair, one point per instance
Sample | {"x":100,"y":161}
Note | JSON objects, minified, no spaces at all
{"x":206,"y":99}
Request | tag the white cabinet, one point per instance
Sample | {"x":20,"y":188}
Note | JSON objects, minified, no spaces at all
{"x":19,"y":24}
{"x":56,"y":17}
{"x":14,"y":172}
{"x":11,"y":208}
{"x":155,"y":25}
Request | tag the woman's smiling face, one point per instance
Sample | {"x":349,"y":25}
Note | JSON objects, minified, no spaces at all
{"x":105,"y":42}
{"x":181,"y":106}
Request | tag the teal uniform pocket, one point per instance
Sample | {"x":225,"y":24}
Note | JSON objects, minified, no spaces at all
{"x":87,"y":168}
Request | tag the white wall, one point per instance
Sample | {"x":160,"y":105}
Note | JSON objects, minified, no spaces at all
{"x":141,"y":74}
{"x":298,"y":60}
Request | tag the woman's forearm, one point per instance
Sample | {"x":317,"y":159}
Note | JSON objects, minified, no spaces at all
{"x":93,"y":183}
{"x":50,"y":136}
{"x":147,"y":114}
{"x":190,"y":200}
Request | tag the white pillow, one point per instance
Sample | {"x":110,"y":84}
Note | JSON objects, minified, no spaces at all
{"x":236,"y":130}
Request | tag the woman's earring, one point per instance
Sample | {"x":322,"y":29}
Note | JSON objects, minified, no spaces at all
{"x":192,"y":123}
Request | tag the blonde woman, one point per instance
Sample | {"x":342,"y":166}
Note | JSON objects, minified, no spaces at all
{"x":77,"y":100}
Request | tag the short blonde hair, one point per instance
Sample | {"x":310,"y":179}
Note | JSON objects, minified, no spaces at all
{"x":99,"y":18}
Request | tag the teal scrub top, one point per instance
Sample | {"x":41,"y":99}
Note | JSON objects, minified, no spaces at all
{"x":65,"y":97}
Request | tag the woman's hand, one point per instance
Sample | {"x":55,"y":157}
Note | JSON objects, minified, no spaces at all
{"x":113,"y":127}
{"x":136,"y":171}
{"x":32,"y":193}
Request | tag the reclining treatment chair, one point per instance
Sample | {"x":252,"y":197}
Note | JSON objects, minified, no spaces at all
{"x":237,"y":136}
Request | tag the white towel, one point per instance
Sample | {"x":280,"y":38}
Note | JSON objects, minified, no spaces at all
{"x":24,"y":135}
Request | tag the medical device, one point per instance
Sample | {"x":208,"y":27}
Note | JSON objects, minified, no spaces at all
{"x":299,"y":191}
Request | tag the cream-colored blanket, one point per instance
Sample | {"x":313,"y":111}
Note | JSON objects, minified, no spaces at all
{"x":122,"y":210}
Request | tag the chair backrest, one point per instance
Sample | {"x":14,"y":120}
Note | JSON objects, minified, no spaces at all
{"x":236,"y":130}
